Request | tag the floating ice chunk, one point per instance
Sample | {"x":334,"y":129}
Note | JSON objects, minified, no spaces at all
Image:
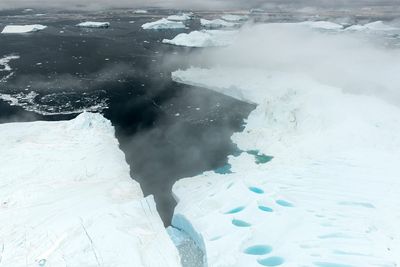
{"x":163,"y":24}
{"x":216,"y":23}
{"x":4,"y":66}
{"x":204,"y":38}
{"x":182,"y":17}
{"x":94,"y":24}
{"x":140,"y":11}
{"x":23,"y":28}
{"x":324,"y":25}
{"x":235,"y":18}
{"x":373,"y":26}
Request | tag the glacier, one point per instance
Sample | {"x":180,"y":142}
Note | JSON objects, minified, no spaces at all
{"x":329,"y":196}
{"x":315,"y":180}
{"x":23,"y":28}
{"x":204,"y":38}
{"x":162,"y":24}
{"x":67,"y":199}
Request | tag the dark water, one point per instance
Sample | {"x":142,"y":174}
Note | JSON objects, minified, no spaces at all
{"x":166,"y":130}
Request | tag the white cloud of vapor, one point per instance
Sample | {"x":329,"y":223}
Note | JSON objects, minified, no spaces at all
{"x":358,"y":63}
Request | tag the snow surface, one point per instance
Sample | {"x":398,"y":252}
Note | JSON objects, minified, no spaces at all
{"x":66,"y":199}
{"x":204,"y":38}
{"x":182,"y":17}
{"x":373,"y":26}
{"x":216,"y":23}
{"x":234,"y":18}
{"x":94,"y":24}
{"x":163,"y":24}
{"x":23,"y":28}
{"x":330,"y":195}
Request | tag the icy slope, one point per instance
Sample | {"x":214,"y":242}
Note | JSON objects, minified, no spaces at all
{"x":67,"y":199}
{"x":23,"y":28}
{"x":330,"y":194}
{"x":204,"y":38}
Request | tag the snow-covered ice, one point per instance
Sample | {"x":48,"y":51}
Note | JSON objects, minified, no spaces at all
{"x":67,"y":199}
{"x":234,"y":18}
{"x":94,"y":24}
{"x":204,"y":38}
{"x":163,"y":24}
{"x":329,"y":197}
{"x":216,"y":23}
{"x":23,"y":28}
{"x":373,"y":26}
{"x":181,"y":17}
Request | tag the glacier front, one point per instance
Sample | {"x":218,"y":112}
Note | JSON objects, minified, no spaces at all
{"x":315,"y":181}
{"x":67,"y":199}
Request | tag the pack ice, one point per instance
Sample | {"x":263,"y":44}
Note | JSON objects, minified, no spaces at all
{"x":66,"y":199}
{"x":23,"y":28}
{"x":315,"y":180}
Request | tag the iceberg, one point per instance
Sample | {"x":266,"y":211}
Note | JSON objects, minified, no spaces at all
{"x":93,"y":24}
{"x":324,"y":25}
{"x":140,"y":11}
{"x":163,"y":24}
{"x":373,"y":26}
{"x":182,"y":17}
{"x":216,"y":23}
{"x":23,"y":28}
{"x":67,"y":199}
{"x":328,"y":197}
{"x":234,"y":18}
{"x":204,"y":38}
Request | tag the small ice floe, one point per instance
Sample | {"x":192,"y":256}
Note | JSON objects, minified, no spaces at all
{"x":234,"y":18}
{"x":373,"y":26}
{"x":216,"y":23}
{"x":23,"y":28}
{"x":140,"y":11}
{"x":323,"y":25}
{"x":93,"y":24}
{"x":163,"y":24}
{"x":256,"y":10}
{"x":182,"y":17}
{"x":4,"y":66}
{"x":204,"y":38}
